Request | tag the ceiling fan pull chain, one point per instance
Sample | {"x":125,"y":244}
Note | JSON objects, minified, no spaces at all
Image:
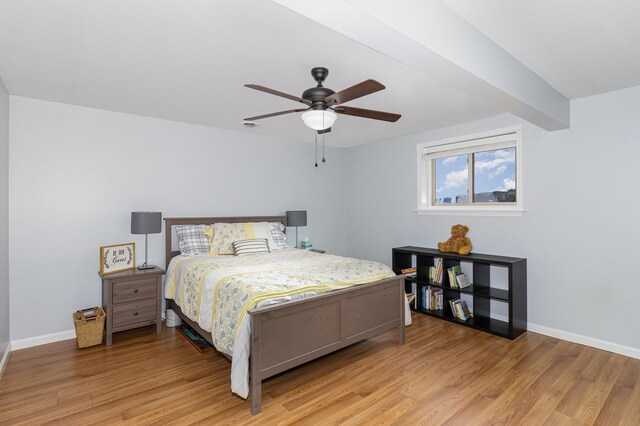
{"x":323,"y":160}
{"x":316,"y":150}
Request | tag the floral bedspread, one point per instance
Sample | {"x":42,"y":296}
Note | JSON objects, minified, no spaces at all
{"x":218,"y":291}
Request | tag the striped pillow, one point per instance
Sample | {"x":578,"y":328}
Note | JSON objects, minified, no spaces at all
{"x":252,"y":246}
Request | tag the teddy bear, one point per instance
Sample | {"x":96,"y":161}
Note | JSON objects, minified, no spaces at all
{"x":457,"y":242}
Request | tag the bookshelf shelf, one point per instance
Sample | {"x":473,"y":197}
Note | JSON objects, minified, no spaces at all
{"x":492,"y":293}
{"x":485,"y":296}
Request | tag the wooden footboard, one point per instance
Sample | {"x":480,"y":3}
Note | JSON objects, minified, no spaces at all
{"x":289,"y":334}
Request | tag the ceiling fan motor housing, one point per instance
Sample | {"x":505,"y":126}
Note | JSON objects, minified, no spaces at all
{"x":317,"y":95}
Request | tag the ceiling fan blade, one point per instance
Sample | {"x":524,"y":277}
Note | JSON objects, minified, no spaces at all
{"x":327,"y":130}
{"x":273,"y":114}
{"x":368,"y":113}
{"x":367,"y":87}
{"x":277,"y":93}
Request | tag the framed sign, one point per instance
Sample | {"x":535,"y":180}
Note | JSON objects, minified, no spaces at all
{"x":117,"y":258}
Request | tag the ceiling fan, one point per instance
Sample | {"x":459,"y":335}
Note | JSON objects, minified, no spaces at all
{"x":322,"y":103}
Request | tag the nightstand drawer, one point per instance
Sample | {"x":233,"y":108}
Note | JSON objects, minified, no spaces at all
{"x":128,"y":291}
{"x":134,"y":312}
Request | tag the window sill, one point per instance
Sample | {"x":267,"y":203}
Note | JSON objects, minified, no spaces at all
{"x":470,"y":212}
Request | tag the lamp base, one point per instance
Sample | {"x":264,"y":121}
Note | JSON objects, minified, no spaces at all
{"x":143,"y":267}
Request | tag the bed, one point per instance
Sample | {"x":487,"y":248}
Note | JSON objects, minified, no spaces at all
{"x":286,"y":334}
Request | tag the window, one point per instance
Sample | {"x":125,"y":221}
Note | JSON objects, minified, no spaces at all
{"x":475,"y":174}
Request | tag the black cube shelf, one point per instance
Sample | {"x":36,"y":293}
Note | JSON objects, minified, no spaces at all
{"x":481,"y":290}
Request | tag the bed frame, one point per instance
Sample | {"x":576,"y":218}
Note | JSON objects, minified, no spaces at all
{"x":288,"y":334}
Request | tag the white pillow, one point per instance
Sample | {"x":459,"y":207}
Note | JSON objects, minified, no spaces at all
{"x":279,"y":237}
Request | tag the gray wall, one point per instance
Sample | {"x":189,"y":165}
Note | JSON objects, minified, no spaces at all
{"x":580,"y":232}
{"x":77,"y":173}
{"x":4,"y":219}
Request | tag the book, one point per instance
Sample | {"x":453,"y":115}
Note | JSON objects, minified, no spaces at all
{"x":438,"y":264}
{"x":466,"y":313}
{"x":453,"y":303}
{"x":453,"y":272}
{"x":414,"y":291}
{"x":462,"y":281}
{"x":406,"y":271}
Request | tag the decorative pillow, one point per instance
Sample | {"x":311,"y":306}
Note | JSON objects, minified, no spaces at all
{"x":192,"y":239}
{"x":252,"y":246}
{"x":224,"y":234}
{"x":279,"y":237}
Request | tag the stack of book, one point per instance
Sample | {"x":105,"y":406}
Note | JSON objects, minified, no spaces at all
{"x":432,"y":299}
{"x":409,"y":272}
{"x":457,"y":279}
{"x":459,"y":309}
{"x":453,"y":271}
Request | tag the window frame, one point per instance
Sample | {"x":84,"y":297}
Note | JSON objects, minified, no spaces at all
{"x":427,"y":152}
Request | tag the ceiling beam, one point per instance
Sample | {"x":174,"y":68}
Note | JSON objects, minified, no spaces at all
{"x":429,"y":37}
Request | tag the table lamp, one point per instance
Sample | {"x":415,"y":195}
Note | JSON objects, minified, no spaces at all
{"x":146,"y":223}
{"x":297,"y":218}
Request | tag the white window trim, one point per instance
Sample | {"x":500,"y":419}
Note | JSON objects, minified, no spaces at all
{"x":509,"y":136}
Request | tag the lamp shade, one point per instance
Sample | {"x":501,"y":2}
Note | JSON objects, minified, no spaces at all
{"x":297,"y":218}
{"x":319,"y":119}
{"x":146,"y":222}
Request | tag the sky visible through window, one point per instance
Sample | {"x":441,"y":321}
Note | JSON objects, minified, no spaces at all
{"x":494,"y":177}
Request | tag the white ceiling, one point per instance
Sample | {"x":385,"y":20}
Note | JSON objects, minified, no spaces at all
{"x":188,"y":60}
{"x":580,"y":47}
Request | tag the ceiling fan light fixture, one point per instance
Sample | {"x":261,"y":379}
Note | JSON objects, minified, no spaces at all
{"x":318,"y":119}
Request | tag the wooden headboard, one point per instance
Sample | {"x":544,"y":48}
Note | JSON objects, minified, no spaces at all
{"x":170,"y":221}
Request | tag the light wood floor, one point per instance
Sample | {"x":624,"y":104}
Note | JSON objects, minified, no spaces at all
{"x":445,"y":374}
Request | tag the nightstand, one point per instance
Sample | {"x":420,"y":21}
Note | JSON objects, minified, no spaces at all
{"x":318,"y":251}
{"x":132,"y":299}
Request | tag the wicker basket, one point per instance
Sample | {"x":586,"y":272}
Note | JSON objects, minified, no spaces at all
{"x":89,"y":326}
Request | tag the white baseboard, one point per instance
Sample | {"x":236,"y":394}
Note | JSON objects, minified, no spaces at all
{"x":585,"y":340}
{"x":5,"y":358}
{"x":42,"y":340}
{"x":579,"y":338}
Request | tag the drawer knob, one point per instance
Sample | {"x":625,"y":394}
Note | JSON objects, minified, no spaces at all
{"x":135,"y":314}
{"x":135,"y":290}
